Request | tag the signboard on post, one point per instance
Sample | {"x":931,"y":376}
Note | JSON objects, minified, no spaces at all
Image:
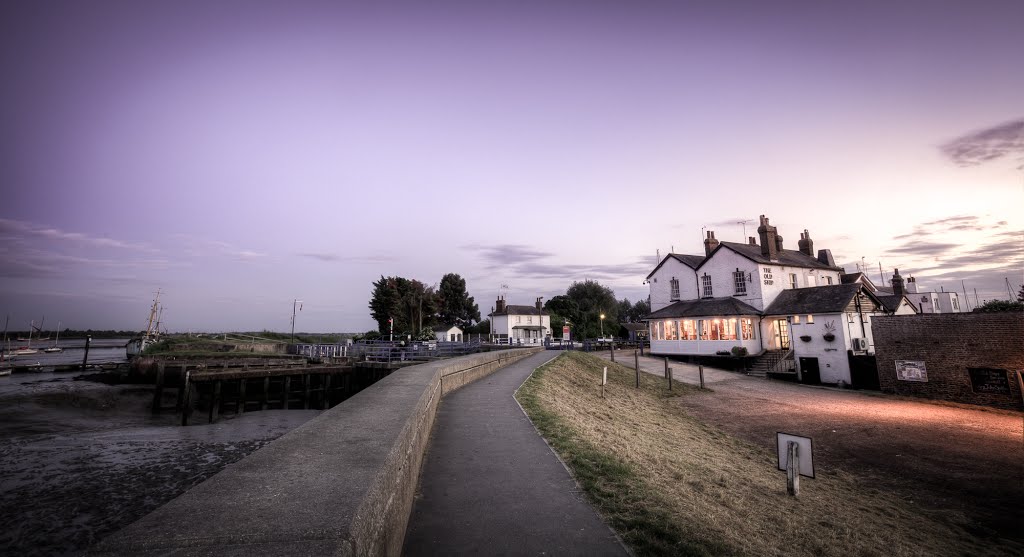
{"x":565,"y":333}
{"x":805,"y":453}
{"x":911,"y":370}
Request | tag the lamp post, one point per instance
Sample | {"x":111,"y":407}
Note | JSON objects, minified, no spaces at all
{"x":295,"y":303}
{"x":602,"y":325}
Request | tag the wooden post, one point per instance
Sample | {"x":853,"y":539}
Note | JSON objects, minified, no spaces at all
{"x":287,"y":391}
{"x":670,"y":379}
{"x":214,"y":402}
{"x":305,"y":385}
{"x":186,"y":397}
{"x":793,"y":469}
{"x":158,"y":389}
{"x":604,"y":380}
{"x":700,"y":369}
{"x":240,"y":407}
{"x":666,"y":366}
{"x":326,"y":399}
{"x":611,"y":348}
{"x":266,"y":393}
{"x":85,"y":358}
{"x":636,"y":360}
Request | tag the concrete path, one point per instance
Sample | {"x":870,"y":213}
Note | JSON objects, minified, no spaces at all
{"x":491,"y":486}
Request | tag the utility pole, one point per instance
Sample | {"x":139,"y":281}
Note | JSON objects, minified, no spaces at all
{"x":295,"y":304}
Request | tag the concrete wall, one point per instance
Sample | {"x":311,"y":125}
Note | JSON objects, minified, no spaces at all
{"x":833,"y":362}
{"x":341,"y":484}
{"x":949,"y":344}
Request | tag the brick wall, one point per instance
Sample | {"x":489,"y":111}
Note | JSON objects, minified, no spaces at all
{"x":949,"y":344}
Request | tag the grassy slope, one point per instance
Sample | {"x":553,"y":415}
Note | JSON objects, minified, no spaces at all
{"x":670,"y":485}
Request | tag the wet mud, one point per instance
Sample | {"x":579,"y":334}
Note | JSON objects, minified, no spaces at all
{"x":81,"y":459}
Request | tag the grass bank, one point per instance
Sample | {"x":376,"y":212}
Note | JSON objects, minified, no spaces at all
{"x":670,"y":485}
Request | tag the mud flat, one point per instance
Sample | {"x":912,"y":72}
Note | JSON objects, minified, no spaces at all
{"x":80,"y":460}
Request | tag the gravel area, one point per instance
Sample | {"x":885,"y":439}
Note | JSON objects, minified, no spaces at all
{"x":945,"y":457}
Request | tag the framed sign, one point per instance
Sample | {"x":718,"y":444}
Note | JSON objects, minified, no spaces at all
{"x":806,"y":452}
{"x":989,"y":380}
{"x":911,"y":370}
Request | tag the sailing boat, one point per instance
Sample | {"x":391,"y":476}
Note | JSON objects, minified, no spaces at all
{"x":54,"y":348}
{"x":27,"y":349}
{"x":136,"y":345}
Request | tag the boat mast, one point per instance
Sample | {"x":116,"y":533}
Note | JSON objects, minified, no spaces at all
{"x":152,"y":314}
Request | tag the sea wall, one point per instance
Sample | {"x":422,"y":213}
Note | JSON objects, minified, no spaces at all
{"x":341,"y":484}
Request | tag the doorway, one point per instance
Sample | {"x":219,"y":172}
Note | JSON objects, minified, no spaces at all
{"x":809,"y":371}
{"x":782,"y":334}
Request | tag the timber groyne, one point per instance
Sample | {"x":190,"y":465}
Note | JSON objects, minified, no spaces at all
{"x":340,"y":484}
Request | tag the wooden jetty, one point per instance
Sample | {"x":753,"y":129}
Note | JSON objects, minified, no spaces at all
{"x":238,"y":389}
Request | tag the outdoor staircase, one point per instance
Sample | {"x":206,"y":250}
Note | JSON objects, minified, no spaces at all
{"x":772,"y":361}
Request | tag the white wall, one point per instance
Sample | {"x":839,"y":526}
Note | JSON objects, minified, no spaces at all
{"x":721,"y":267}
{"x":660,"y":284}
{"x":833,"y":363}
{"x":946,"y":302}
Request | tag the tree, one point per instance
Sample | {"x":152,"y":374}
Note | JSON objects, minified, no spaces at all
{"x":455,"y":305}
{"x":409,"y":302}
{"x":633,"y":313}
{"x":385,"y":303}
{"x":591,"y":300}
{"x":994,"y":306}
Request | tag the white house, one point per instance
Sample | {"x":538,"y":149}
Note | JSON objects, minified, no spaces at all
{"x":756,"y":295}
{"x":448,"y":333}
{"x":917,"y":301}
{"x":519,"y":324}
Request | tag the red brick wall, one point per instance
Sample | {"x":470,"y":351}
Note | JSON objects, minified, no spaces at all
{"x":948,"y":344}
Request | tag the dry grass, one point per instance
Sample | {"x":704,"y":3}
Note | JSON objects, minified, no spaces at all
{"x":673,"y":486}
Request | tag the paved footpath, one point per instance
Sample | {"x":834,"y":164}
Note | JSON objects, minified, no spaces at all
{"x":491,"y":486}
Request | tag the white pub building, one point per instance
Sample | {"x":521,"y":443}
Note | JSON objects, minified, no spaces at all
{"x":789,"y":304}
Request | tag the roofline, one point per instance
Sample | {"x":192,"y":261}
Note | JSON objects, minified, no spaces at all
{"x":745,"y":256}
{"x":672,"y":255}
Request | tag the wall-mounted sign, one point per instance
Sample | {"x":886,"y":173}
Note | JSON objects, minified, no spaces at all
{"x":911,"y":370}
{"x":989,"y":380}
{"x":767,"y":275}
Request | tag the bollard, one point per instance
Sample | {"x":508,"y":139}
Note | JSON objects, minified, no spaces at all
{"x":793,"y":469}
{"x":670,"y":379}
{"x":700,"y":369}
{"x":85,"y":358}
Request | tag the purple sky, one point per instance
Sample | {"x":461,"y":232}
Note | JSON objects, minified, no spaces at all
{"x":238,"y":155}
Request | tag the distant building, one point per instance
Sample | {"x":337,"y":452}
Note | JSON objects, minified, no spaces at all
{"x":922,"y":301}
{"x":448,"y":333}
{"x":511,"y":324}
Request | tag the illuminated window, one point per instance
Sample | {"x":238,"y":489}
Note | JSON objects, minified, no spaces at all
{"x":670,"y":330}
{"x":810,"y":319}
{"x":747,"y":326}
{"x":688,"y":329}
{"x":796,"y":319}
{"x":792,"y":280}
{"x":674,"y":286}
{"x":706,"y":283}
{"x":739,"y":279}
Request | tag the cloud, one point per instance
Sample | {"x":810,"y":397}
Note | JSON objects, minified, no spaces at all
{"x":923,"y":248}
{"x":11,"y":229}
{"x":205,"y":247}
{"x":1004,"y":140}
{"x":504,"y":255}
{"x":335,"y":258}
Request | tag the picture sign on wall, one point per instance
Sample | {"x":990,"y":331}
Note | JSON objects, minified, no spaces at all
{"x":911,"y":370}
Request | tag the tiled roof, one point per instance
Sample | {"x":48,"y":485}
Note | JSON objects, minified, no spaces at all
{"x":705,"y":307}
{"x":520,"y":310}
{"x":691,"y":261}
{"x":817,"y":299}
{"x":788,"y":257}
{"x":892,"y":302}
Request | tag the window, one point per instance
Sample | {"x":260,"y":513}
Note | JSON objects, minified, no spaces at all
{"x":792,"y":280}
{"x":529,"y":320}
{"x":747,"y":327}
{"x":828,"y":280}
{"x":688,"y":329}
{"x":674,"y":285}
{"x":519,"y":319}
{"x":670,"y":330}
{"x":706,"y":283}
{"x":740,"y":280}
{"x":796,"y":319}
{"x":810,"y":319}
{"x":956,"y":304}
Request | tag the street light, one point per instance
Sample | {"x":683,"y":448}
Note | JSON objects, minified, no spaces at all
{"x":602,"y":325}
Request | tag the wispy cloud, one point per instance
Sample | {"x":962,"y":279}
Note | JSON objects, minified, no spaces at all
{"x":504,"y":255}
{"x":1003,"y":140}
{"x":205,"y":247}
{"x":527,"y":262}
{"x":12,"y":230}
{"x":359,"y":259}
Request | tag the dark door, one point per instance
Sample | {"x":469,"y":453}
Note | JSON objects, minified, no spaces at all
{"x":809,"y":370}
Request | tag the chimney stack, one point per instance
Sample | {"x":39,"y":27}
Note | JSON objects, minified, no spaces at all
{"x":752,"y":240}
{"x":897,"y":283}
{"x":499,"y":306}
{"x":539,"y":306}
{"x":710,"y":243}
{"x":806,"y":244}
{"x":911,"y":285}
{"x":825,"y":257}
{"x":769,"y":239}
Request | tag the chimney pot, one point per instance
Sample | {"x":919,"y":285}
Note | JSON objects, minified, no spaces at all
{"x":806,"y":245}
{"x":710,"y":243}
{"x":770,"y":243}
